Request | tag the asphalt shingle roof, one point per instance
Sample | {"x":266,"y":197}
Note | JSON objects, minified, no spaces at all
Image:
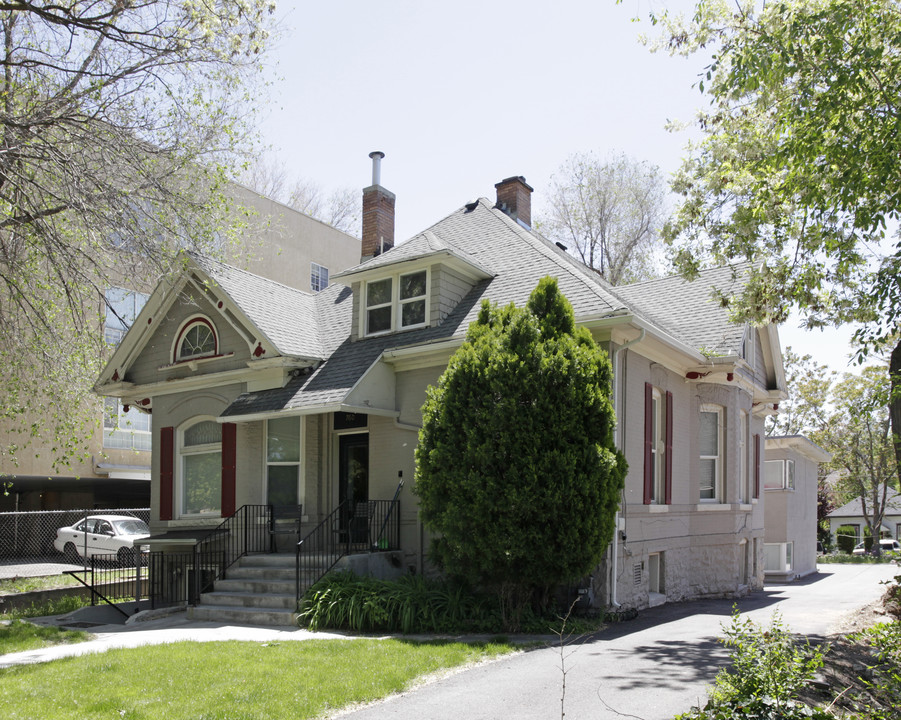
{"x":854,"y":508}
{"x":686,"y":310}
{"x":488,"y":238}
{"x":287,"y":316}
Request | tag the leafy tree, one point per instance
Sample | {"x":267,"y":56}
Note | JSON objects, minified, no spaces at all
{"x":517,"y":473}
{"x":799,"y":169}
{"x":118,"y":123}
{"x":859,"y":436}
{"x":611,"y":211}
{"x":805,"y":409}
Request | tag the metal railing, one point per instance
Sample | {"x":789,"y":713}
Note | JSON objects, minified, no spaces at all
{"x":114,"y":582}
{"x":247,"y":531}
{"x":369,"y":526}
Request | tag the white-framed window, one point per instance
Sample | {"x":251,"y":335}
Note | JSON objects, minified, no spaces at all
{"x":396,"y":303}
{"x":318,"y":277}
{"x":196,"y":339}
{"x":778,"y":557}
{"x":744,"y":474}
{"x":125,"y":430}
{"x":284,"y":450}
{"x":200,"y":467}
{"x":779,"y":475}
{"x":122,"y":307}
{"x":710,"y":441}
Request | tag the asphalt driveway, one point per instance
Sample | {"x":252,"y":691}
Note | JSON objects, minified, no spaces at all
{"x":650,"y":668}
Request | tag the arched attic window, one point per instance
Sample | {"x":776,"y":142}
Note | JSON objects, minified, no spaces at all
{"x":196,"y":339}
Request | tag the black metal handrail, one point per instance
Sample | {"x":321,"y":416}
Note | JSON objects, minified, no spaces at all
{"x":370,"y":526}
{"x":247,"y":531}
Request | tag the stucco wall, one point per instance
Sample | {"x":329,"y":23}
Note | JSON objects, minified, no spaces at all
{"x":791,"y":515}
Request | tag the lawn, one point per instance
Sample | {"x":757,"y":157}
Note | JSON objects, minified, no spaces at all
{"x":18,"y":636}
{"x":11,"y":586}
{"x":227,"y":680}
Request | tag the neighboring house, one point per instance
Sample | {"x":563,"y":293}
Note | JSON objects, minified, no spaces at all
{"x":279,"y":242}
{"x":790,"y":479}
{"x":851,"y":514}
{"x":262,"y":393}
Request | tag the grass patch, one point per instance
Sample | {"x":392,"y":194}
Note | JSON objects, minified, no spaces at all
{"x":19,"y":636}
{"x":58,"y":606}
{"x":227,"y":680}
{"x":13,"y":586}
{"x":844,"y":558}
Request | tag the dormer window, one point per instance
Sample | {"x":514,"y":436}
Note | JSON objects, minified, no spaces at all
{"x":378,"y":306}
{"x":197,"y":339}
{"x":397,"y":303}
{"x":412,"y":299}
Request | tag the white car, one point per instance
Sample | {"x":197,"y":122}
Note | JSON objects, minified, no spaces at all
{"x":102,"y":535}
{"x":886,"y":545}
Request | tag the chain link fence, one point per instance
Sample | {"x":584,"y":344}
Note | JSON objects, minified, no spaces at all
{"x":26,"y":539}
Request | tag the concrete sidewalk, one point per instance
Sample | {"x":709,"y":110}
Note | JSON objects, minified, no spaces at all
{"x":110,"y":632}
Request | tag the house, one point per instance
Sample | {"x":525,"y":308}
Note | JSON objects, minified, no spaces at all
{"x":279,"y":242}
{"x":262,"y":393}
{"x":791,"y":472}
{"x":851,"y":515}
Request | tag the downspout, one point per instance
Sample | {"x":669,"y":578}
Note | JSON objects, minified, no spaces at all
{"x":618,"y":442}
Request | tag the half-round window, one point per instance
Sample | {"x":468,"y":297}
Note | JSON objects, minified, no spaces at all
{"x":197,"y":339}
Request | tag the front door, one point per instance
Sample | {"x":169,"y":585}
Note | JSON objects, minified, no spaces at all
{"x":353,"y":468}
{"x":353,"y":485}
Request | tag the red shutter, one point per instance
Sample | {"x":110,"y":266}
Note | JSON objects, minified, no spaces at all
{"x":648,"y":441}
{"x":167,"y":468}
{"x":757,"y":466}
{"x":668,"y":462}
{"x":229,"y":454}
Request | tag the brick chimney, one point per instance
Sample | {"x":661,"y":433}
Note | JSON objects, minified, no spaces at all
{"x":514,"y":197}
{"x":378,"y":214}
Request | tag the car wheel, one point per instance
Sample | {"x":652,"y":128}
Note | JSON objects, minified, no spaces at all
{"x":126,"y":556}
{"x":71,"y":553}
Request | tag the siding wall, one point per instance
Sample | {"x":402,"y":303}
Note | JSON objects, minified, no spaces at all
{"x":158,"y":351}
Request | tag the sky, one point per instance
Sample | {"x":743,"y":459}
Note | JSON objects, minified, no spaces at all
{"x":460,"y":95}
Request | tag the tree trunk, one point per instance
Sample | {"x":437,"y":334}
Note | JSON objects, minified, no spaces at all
{"x":894,"y":405}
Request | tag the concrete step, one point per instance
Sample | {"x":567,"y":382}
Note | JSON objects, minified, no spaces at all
{"x":268,"y":560}
{"x":242,"y":616}
{"x":260,"y":572}
{"x":282,"y":601}
{"x":256,"y":586}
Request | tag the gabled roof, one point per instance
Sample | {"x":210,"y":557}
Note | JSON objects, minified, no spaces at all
{"x":254,"y":301}
{"x":854,"y":508}
{"x":426,"y":245}
{"x":267,"y":304}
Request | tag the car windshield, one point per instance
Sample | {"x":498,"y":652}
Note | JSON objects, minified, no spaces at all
{"x":132,"y":526}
